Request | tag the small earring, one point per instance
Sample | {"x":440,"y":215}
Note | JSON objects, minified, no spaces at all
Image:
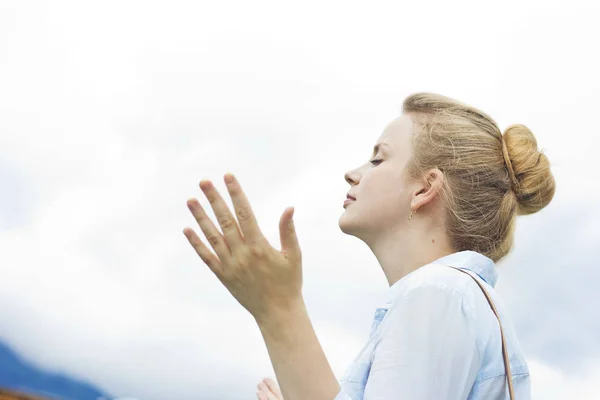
{"x":410,"y":216}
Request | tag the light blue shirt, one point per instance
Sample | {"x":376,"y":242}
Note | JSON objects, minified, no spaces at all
{"x":437,"y":338}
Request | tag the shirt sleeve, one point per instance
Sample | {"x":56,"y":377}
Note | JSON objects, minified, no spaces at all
{"x":343,"y":396}
{"x":428,"y":348}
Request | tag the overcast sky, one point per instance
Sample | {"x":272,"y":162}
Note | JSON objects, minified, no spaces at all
{"x":112,"y":112}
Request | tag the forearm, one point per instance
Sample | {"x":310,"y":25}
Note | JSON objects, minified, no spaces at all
{"x":300,"y":365}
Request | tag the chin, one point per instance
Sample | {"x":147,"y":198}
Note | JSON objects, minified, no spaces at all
{"x":347,"y":225}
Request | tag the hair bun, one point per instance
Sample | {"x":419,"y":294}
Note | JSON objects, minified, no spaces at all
{"x":535,"y":185}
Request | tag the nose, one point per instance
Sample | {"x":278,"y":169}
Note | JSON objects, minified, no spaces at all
{"x":351,"y":178}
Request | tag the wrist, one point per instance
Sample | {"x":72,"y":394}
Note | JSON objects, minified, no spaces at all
{"x":278,"y":318}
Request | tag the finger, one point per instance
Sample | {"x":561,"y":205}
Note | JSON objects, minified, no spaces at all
{"x":272,"y":396}
{"x":204,"y":252}
{"x":261,"y":396}
{"x":263,"y":389}
{"x":273,"y":387}
{"x":243,"y":211}
{"x":266,"y":394}
{"x":287,"y":235}
{"x":231,"y":231}
{"x":213,"y":236}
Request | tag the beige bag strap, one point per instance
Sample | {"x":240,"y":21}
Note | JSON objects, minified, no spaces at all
{"x":504,"y":351}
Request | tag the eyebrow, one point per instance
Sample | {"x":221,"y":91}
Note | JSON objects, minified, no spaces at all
{"x":376,"y":148}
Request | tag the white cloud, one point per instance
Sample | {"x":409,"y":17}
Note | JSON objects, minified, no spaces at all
{"x":110,"y":114}
{"x":552,"y":383}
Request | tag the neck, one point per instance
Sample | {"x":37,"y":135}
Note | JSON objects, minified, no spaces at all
{"x":400,"y":253}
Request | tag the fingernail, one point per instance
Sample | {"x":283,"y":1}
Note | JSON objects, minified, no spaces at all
{"x":205,"y":184}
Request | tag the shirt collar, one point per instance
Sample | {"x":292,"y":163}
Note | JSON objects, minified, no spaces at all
{"x":472,"y":261}
{"x":468,"y":260}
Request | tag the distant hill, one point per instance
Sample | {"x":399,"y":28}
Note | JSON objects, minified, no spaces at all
{"x":17,"y":374}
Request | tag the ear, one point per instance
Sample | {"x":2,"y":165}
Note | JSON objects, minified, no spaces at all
{"x":428,"y":189}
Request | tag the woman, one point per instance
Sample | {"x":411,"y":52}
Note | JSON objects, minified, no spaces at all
{"x":437,"y":205}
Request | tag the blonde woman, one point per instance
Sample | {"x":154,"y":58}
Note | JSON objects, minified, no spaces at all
{"x":436,"y":204}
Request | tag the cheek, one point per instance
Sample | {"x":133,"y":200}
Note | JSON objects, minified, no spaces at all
{"x":392,"y":193}
{"x":385,"y":207}
{"x":386,"y":195}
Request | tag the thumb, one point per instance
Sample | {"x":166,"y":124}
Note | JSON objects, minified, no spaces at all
{"x":287,"y":234}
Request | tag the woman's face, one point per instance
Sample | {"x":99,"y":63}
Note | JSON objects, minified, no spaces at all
{"x":382,"y":192}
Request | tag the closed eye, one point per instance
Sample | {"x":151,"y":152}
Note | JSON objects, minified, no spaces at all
{"x":375,"y":161}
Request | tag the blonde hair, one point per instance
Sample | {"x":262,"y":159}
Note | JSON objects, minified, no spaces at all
{"x":489,"y":177}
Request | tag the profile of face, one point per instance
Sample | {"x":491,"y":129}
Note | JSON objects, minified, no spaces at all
{"x":382,"y":191}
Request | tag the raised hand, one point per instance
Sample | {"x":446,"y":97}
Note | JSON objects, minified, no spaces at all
{"x":263,"y":280}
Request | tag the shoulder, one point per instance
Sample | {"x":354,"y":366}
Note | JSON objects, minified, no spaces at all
{"x":437,"y":281}
{"x":431,"y":303}
{"x":436,"y":276}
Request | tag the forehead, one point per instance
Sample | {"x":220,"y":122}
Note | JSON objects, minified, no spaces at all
{"x":397,"y":133}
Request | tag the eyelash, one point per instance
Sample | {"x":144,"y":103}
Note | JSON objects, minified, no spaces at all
{"x":373,"y":161}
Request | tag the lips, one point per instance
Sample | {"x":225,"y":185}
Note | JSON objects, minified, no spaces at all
{"x":350,"y":197}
